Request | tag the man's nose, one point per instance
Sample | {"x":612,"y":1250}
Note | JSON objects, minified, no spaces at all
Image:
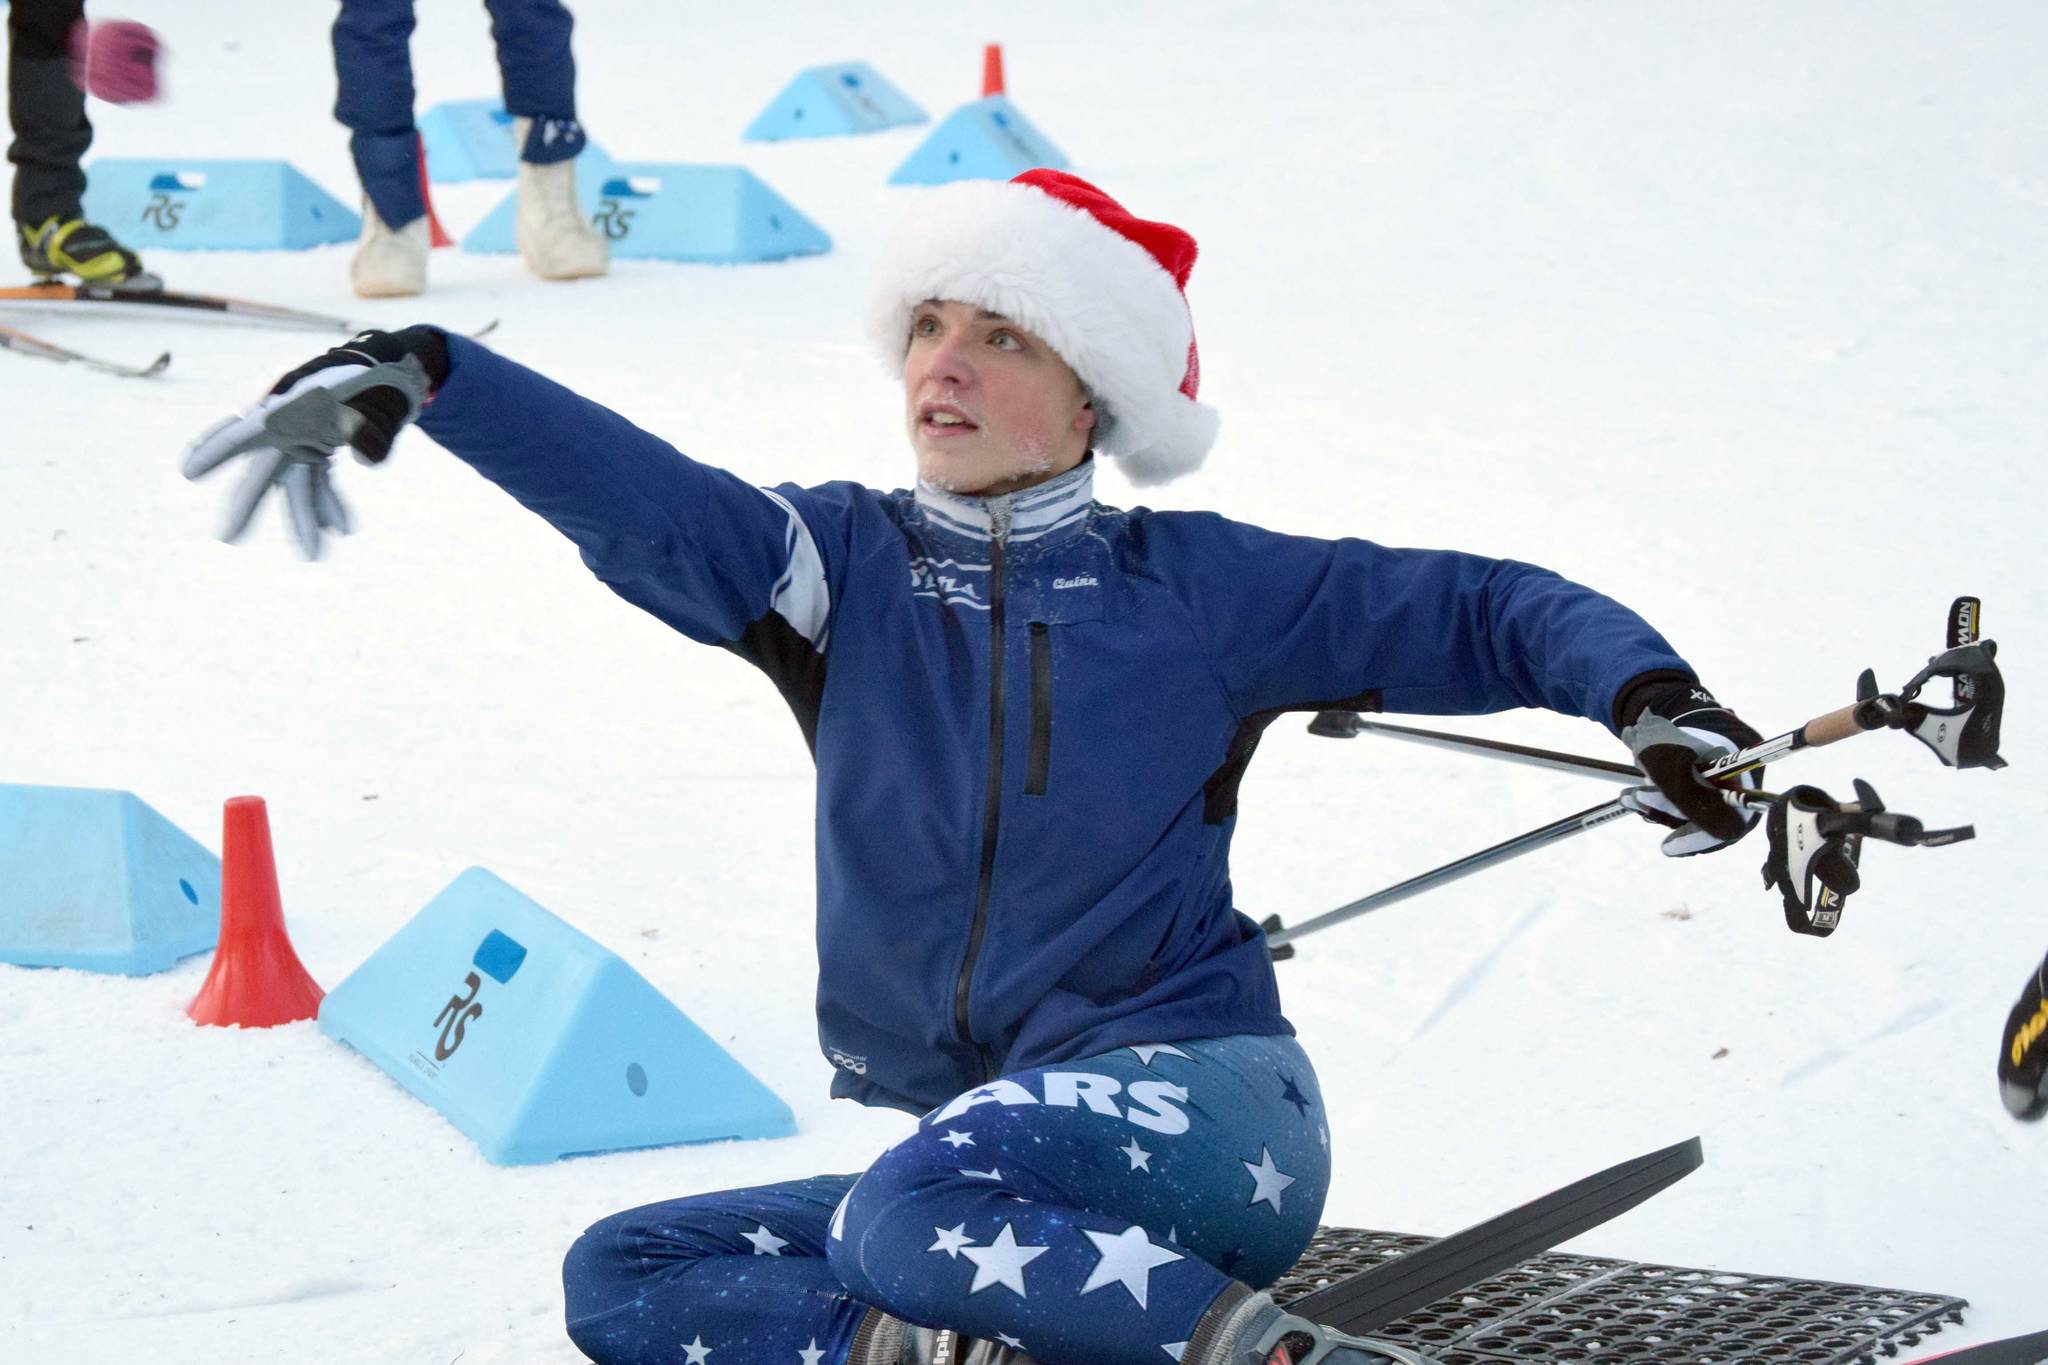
{"x":948,"y":361}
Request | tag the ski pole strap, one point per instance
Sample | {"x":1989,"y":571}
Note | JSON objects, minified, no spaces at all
{"x":1816,"y":845}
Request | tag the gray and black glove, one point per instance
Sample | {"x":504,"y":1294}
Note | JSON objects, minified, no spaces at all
{"x":1672,"y":724}
{"x":360,"y":394}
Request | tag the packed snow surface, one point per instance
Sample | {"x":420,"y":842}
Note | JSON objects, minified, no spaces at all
{"x":1733,"y":311}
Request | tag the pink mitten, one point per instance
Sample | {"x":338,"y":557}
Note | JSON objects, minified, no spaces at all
{"x":114,"y":60}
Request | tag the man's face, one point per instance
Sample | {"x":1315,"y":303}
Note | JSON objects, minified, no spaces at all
{"x":991,"y":408}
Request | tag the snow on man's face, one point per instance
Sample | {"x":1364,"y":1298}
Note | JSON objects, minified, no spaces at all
{"x":991,"y":408}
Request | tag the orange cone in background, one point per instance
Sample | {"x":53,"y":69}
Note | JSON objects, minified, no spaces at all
{"x":436,"y":236}
{"x":257,"y":980}
{"x":992,"y":70}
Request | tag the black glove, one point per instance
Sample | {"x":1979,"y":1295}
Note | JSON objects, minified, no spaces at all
{"x":360,"y":394}
{"x":2023,"y":1052}
{"x":1671,"y":724}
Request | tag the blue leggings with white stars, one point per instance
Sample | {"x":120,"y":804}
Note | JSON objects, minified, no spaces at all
{"x":1086,"y":1212}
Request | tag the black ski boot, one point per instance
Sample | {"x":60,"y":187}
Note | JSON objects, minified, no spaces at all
{"x":1247,"y":1328}
{"x":85,"y":251}
{"x":2023,"y":1055}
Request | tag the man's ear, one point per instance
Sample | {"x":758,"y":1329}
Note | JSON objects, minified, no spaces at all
{"x":1084,"y":420}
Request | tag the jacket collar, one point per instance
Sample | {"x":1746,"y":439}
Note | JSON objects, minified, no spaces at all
{"x":1042,"y":514}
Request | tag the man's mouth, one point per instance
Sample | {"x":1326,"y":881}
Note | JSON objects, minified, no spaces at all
{"x":943,"y":420}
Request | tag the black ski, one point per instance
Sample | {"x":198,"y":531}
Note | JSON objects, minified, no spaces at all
{"x":158,"y":301}
{"x":2031,"y":1349}
{"x":1372,"y":1298}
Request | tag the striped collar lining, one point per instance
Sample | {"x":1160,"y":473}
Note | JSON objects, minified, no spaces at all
{"x":1034,"y":512}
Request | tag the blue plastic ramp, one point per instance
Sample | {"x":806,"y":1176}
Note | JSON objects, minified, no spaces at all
{"x":469,"y":140}
{"x":832,"y":101}
{"x":99,"y":880}
{"x":536,"y":1041}
{"x":988,"y":139}
{"x":675,"y":212}
{"x":214,"y":205}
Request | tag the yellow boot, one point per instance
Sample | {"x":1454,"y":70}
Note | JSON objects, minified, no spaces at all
{"x":84,"y":251}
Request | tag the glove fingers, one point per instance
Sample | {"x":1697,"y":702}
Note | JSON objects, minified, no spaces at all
{"x":327,"y":504}
{"x":298,"y":497}
{"x":221,"y":442}
{"x":248,"y":494}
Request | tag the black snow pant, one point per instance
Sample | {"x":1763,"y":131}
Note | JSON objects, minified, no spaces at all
{"x":46,"y":110}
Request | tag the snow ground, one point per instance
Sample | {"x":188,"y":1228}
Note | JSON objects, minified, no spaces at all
{"x":1734,"y":311}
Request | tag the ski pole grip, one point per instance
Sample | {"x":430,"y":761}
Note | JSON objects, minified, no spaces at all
{"x":1830,"y":727}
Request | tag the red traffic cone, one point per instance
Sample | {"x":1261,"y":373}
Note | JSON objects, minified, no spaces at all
{"x":257,"y":980}
{"x":436,"y":235}
{"x":992,"y":70}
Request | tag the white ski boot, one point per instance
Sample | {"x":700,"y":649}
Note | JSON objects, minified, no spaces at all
{"x":390,"y":263}
{"x":555,"y":240}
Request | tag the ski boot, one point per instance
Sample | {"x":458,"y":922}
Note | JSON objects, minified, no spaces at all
{"x":2023,"y":1057}
{"x":884,"y":1340}
{"x":390,"y":263}
{"x":1250,"y":1329}
{"x":555,"y":240}
{"x":85,"y":251}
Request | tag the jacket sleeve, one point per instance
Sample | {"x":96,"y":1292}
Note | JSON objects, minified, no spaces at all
{"x":698,"y":548}
{"x":1294,"y":622}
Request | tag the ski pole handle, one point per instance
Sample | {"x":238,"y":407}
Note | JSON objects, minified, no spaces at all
{"x":1830,"y":727}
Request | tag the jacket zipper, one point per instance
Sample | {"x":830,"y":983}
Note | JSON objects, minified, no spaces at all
{"x":1041,"y":710}
{"x":991,"y":817}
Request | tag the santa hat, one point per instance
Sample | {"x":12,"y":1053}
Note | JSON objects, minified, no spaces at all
{"x":1103,"y":288}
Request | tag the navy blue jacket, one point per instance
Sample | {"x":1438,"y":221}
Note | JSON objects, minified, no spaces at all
{"x":1030,"y":714}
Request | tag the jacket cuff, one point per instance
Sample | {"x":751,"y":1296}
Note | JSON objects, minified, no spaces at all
{"x":1639,"y":691}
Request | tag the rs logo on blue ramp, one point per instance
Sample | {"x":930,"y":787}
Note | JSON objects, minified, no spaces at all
{"x":537,"y":1041}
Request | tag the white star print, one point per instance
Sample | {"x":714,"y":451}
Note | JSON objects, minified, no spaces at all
{"x":765,"y":1242}
{"x":1001,"y":1262}
{"x":957,"y":1139}
{"x":1009,"y":1341}
{"x":695,"y":1351}
{"x":993,"y":1174}
{"x":951,"y":1240}
{"x":1138,"y":1155}
{"x":1269,"y":1182}
{"x":1147,"y":1051}
{"x":812,"y":1354}
{"x":1175,"y":1348}
{"x":1128,"y":1258}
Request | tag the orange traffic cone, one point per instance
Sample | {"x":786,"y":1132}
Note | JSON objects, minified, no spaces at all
{"x":257,"y":980}
{"x":436,"y":235}
{"x":992,"y":70}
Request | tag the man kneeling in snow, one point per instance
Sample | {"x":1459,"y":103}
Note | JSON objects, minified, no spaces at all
{"x":1030,"y":714}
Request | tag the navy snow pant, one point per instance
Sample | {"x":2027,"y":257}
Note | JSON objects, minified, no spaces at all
{"x":45,"y":109}
{"x":1087,"y":1212}
{"x":373,"y":64}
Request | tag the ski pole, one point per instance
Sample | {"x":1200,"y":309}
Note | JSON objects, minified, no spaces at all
{"x":1279,"y":938}
{"x":1814,"y":902}
{"x":1962,"y":736}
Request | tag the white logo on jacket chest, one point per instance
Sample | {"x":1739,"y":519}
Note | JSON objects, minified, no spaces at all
{"x":947,"y":580}
{"x":1152,"y":1104}
{"x":1082,"y":582}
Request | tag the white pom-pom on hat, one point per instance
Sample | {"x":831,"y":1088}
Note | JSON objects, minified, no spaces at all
{"x":1104,"y":289}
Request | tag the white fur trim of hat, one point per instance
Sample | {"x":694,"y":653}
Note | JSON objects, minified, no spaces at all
{"x":1066,"y":262}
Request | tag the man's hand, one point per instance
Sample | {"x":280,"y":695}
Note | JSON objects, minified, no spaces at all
{"x":360,"y":394}
{"x":1672,"y":724}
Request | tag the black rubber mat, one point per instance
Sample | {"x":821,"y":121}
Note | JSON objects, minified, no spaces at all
{"x":1593,"y":1311}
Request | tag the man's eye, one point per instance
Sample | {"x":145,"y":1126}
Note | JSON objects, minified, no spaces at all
{"x":1007,"y":341}
{"x":924,"y":327}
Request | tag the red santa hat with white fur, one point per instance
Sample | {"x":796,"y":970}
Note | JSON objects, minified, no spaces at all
{"x":1103,"y":288}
